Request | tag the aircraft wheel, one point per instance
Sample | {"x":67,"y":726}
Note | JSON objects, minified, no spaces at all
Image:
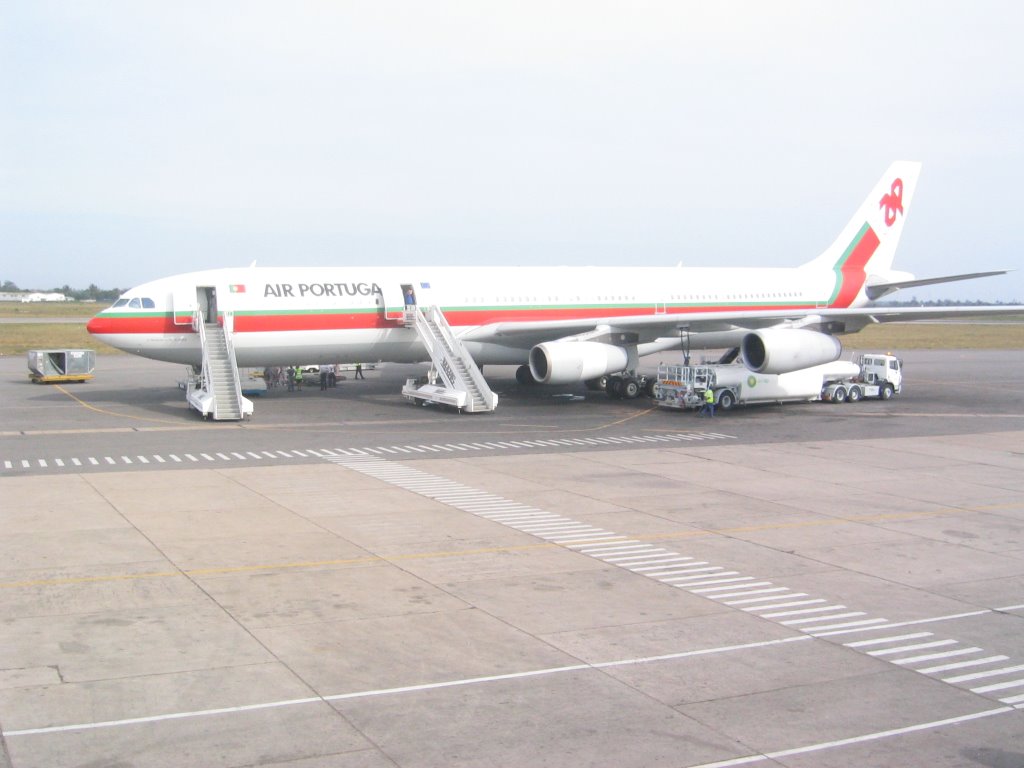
{"x":887,"y":392}
{"x":854,"y":395}
{"x":600,"y":384}
{"x":614,"y":388}
{"x":839,"y":395}
{"x":630,"y":389}
{"x":726,"y":400}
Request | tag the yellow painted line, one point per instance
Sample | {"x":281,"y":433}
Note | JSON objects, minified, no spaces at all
{"x":383,"y":559}
{"x":84,"y":404}
{"x":652,"y":409}
{"x":370,"y":560}
{"x":879,"y":518}
{"x":88,"y":579}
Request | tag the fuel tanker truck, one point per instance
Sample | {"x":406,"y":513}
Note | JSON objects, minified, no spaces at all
{"x":871,"y":375}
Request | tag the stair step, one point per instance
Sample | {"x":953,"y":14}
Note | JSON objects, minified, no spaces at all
{"x":444,"y":347}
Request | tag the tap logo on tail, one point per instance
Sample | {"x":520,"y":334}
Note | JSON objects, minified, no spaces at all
{"x":892,"y":202}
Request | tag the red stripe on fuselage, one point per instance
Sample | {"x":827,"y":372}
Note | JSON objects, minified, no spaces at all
{"x":147,"y":324}
{"x":327,"y":321}
{"x":852,"y":274}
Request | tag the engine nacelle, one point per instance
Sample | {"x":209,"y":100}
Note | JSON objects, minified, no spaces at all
{"x":781,"y":350}
{"x":565,"y":362}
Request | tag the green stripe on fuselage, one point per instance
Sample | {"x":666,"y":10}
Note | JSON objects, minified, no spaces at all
{"x":838,"y":268}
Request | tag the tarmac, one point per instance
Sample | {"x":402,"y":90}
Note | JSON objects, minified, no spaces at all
{"x":350,"y":580}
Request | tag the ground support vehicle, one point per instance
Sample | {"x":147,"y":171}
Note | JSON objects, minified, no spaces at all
{"x":880,"y":376}
{"x":872,"y":375}
{"x":54,"y":366}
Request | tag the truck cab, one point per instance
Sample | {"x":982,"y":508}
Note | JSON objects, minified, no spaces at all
{"x":880,"y":370}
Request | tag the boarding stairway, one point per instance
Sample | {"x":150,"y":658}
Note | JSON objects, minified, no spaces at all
{"x":217,"y":391}
{"x":454,"y":378}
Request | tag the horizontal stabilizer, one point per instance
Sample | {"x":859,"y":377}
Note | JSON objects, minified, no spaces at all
{"x":877,"y":290}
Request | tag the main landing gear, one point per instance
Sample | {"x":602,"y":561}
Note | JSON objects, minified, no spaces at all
{"x":622,"y":386}
{"x":618,"y":386}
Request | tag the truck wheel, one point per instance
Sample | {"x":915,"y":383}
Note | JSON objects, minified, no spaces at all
{"x":629,"y":388}
{"x":887,"y":392}
{"x":839,"y":395}
{"x":650,"y":386}
{"x":726,"y":400}
{"x":854,"y":394}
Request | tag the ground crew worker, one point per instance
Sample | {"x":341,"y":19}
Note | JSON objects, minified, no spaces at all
{"x":298,"y":377}
{"x":709,"y":403}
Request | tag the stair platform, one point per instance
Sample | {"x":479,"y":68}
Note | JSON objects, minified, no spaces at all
{"x":216,"y":391}
{"x":429,"y":394}
{"x":454,"y":378}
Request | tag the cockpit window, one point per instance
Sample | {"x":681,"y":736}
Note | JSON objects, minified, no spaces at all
{"x":136,"y":303}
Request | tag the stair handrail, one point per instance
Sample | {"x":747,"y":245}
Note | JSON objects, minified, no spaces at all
{"x":229,"y":345}
{"x":199,"y":326}
{"x":431,"y":342}
{"x":456,"y":348}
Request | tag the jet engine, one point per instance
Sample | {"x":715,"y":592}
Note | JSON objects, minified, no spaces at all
{"x":781,"y":350}
{"x":564,"y":362}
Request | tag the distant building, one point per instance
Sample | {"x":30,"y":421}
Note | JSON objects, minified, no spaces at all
{"x":27,"y":298}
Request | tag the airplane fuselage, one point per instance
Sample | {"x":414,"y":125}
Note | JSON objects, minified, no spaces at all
{"x":280,"y":316}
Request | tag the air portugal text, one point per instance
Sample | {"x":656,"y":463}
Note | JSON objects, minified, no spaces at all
{"x":299,"y":290}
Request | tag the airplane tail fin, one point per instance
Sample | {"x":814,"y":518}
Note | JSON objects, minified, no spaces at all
{"x":863,"y":253}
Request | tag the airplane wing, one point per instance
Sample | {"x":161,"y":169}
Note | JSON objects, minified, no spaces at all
{"x":895,"y":314}
{"x":877,"y":289}
{"x":525,"y":334}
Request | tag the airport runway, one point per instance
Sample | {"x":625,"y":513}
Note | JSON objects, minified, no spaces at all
{"x":350,"y":580}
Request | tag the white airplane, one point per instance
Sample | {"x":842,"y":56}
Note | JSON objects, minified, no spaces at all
{"x":559,"y":324}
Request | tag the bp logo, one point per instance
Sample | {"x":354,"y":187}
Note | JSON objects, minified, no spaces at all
{"x":751,"y":381}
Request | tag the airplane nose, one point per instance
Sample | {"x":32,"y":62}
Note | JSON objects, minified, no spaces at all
{"x":96,"y":325}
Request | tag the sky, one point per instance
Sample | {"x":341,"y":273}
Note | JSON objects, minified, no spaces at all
{"x":142,"y":139}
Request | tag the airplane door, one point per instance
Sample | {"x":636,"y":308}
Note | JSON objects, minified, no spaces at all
{"x":391,"y":301}
{"x":206,"y":298}
{"x":184,"y":304}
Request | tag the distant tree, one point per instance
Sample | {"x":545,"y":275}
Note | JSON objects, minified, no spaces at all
{"x":9,"y":286}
